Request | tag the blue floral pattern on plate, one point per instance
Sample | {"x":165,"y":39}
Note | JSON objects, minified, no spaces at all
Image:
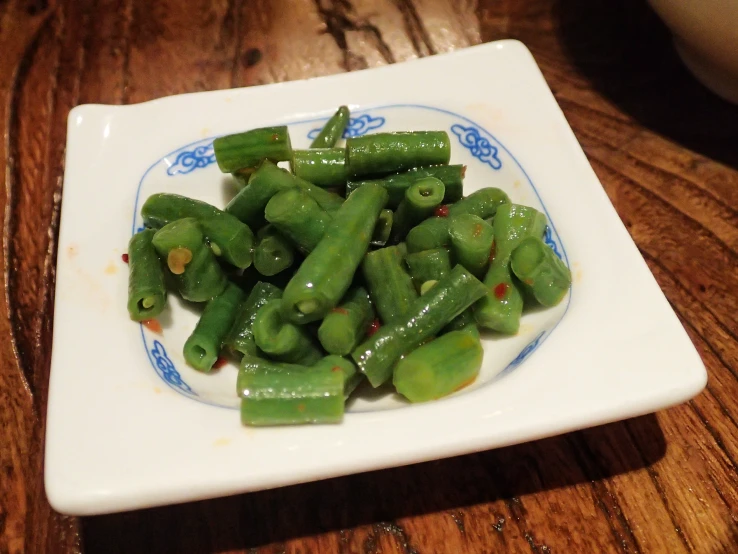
{"x":188,"y":161}
{"x":480,"y":147}
{"x":166,"y":370}
{"x":548,"y":239}
{"x":525,"y":352}
{"x":356,"y":127}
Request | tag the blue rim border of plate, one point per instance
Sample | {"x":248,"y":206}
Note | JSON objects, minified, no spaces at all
{"x":164,"y":367}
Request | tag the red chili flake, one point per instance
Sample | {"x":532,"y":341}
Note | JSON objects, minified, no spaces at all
{"x":301,"y":407}
{"x":152,"y":325}
{"x":342,"y":311}
{"x":275,"y":136}
{"x":373,"y":328}
{"x":336,"y":368}
{"x":492,"y":251}
{"x":124,"y":257}
{"x":477,"y":230}
{"x":528,"y":281}
{"x":501,"y":290}
{"x":220,"y":362}
{"x":441,"y":211}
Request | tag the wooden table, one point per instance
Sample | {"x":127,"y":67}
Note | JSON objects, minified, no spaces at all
{"x":664,"y":148}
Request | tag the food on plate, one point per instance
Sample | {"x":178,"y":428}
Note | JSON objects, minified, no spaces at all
{"x":359,"y":263}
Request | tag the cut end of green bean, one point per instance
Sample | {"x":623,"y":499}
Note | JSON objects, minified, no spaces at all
{"x":307,"y":306}
{"x":428,"y":285}
{"x":199,"y":355}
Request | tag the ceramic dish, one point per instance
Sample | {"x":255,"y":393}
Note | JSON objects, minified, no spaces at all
{"x":131,"y":426}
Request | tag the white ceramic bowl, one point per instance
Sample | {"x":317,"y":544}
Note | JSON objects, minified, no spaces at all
{"x":706,"y":38}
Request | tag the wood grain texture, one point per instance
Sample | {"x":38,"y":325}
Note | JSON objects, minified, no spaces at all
{"x":665,"y":150}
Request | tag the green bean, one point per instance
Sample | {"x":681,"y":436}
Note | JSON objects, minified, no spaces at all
{"x":253,"y":364}
{"x":345,"y":325}
{"x":383,"y":153}
{"x":195,"y":270}
{"x":147,"y":293}
{"x":240,"y":338}
{"x":471,"y":242}
{"x":431,"y":233}
{"x":333,"y":130}
{"x":249,"y":149}
{"x":440,"y":367}
{"x":383,"y":228}
{"x":454,"y":293}
{"x":540,"y":271}
{"x":390,"y":286}
{"x":202,"y":348}
{"x":421,"y":199}
{"x":482,"y":203}
{"x":327,"y":272}
{"x":501,"y":308}
{"x":281,"y":339}
{"x":249,"y":204}
{"x":298,"y":217}
{"x":274,"y":253}
{"x":292,"y":396}
{"x":228,"y":237}
{"x":428,"y":265}
{"x":351,"y":375}
{"x":452,"y":177}
{"x":463,"y":322}
{"x":324,"y":167}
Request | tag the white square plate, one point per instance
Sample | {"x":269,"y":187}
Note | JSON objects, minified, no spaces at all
{"x":131,"y":426}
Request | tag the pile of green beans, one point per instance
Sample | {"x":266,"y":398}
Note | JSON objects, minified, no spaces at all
{"x":361,"y":262}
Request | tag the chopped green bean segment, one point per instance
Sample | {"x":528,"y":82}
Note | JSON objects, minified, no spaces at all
{"x":482,"y":203}
{"x":346,"y":324}
{"x":502,"y":306}
{"x":240,"y":338}
{"x":440,"y":367}
{"x":228,"y":237}
{"x":454,"y":293}
{"x":254,"y":364}
{"x":421,"y":199}
{"x":298,"y":217}
{"x":431,"y":233}
{"x":463,"y":322}
{"x":249,"y":204}
{"x":281,"y":339}
{"x":383,"y":153}
{"x":541,"y":271}
{"x":472,"y":240}
{"x":452,"y":177}
{"x":249,"y":149}
{"x":327,"y":272}
{"x":324,"y":167}
{"x":351,"y":375}
{"x":383,"y":228}
{"x":390,"y":286}
{"x":191,"y":262}
{"x":333,"y":130}
{"x":315,"y":395}
{"x":428,"y":265}
{"x":273,"y":253}
{"x":203,"y":346}
{"x":147,"y":293}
